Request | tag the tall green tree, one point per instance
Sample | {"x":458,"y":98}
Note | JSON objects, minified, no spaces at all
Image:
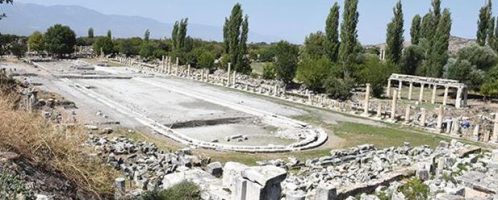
{"x":285,"y":64}
{"x":109,"y":34}
{"x":412,"y":59}
{"x":147,"y":35}
{"x":438,"y":53}
{"x":426,"y":27}
{"x":179,"y":34}
{"x":349,"y":37}
{"x":483,"y":23}
{"x":103,"y":45}
{"x":415,"y":29}
{"x":90,"y":33}
{"x":395,"y":37}
{"x":236,"y":31}
{"x":332,"y":33}
{"x":60,"y":40}
{"x":315,"y":45}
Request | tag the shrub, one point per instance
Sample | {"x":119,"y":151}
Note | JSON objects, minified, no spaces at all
{"x":182,"y":191}
{"x":415,"y":189}
{"x":269,"y":71}
{"x":11,"y":187}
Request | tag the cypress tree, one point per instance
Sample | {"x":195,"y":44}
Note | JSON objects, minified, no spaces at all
{"x":349,"y":36}
{"x":483,"y":23}
{"x":242,"y":63}
{"x":147,"y":35}
{"x":395,"y":37}
{"x":90,"y":33}
{"x":182,"y":33}
{"x":426,"y":28}
{"x":332,"y":33}
{"x":491,"y":41}
{"x":109,"y":34}
{"x":415,"y":29}
{"x":226,"y":36}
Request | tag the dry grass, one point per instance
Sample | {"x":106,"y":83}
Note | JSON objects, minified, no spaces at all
{"x":52,"y":147}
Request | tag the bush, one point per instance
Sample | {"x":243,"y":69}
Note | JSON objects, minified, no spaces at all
{"x":339,"y":88}
{"x":415,"y":189}
{"x":313,"y":72}
{"x":376,"y":73}
{"x":268,"y":71}
{"x":12,"y":187}
{"x":182,"y":191}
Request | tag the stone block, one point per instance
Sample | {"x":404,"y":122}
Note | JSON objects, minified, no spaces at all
{"x":173,"y":179}
{"x":326,"y":192}
{"x":231,"y":171}
{"x":295,"y":195}
{"x":215,"y":169}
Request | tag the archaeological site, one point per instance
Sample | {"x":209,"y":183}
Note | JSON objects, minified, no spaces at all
{"x":248,"y":100}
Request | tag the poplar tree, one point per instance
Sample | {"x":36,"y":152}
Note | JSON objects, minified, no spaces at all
{"x":395,"y":37}
{"x":491,"y":41}
{"x":109,"y":34}
{"x":426,"y":27}
{"x":147,"y":35}
{"x":415,"y":29}
{"x":332,"y":33}
{"x":235,"y":33}
{"x":174,"y":35}
{"x":349,"y":37}
{"x":179,"y":34}
{"x":90,"y":33}
{"x":483,"y":23}
{"x":438,"y":53}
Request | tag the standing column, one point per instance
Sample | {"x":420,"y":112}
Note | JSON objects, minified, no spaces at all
{"x":410,"y":90}
{"x":228,"y":74}
{"x":407,"y":114}
{"x":440,"y":113}
{"x":367,"y":100}
{"x":465,"y":96}
{"x":162,"y":65}
{"x":422,"y":117}
{"x":393,"y":105}
{"x":188,"y":71}
{"x":421,"y":97}
{"x":379,"y":111}
{"x":434,"y":90}
{"x":445,"y":99}
{"x":388,"y":91}
{"x":275,"y":90}
{"x":400,"y":87}
{"x":494,"y":138}
{"x":458,"y":101}
{"x":234,"y":79}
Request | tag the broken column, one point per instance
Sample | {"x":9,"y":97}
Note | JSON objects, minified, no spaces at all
{"x":445,"y":99}
{"x":367,"y":100}
{"x":234,"y":79}
{"x":421,"y":97}
{"x":275,"y":90}
{"x":379,"y":111}
{"x":400,"y":87}
{"x":439,"y":123}
{"x":407,"y":114}
{"x":393,"y":105}
{"x":326,"y":192}
{"x":177,"y":67}
{"x":188,"y":71}
{"x":120,"y":188}
{"x":423,"y":117}
{"x":495,"y":130}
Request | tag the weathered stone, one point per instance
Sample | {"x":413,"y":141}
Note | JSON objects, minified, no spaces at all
{"x":326,"y":192}
{"x":215,"y":169}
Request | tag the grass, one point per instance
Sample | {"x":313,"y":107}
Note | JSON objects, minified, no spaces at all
{"x":51,"y":147}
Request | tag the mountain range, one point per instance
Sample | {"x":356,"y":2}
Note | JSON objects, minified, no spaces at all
{"x":24,"y":19}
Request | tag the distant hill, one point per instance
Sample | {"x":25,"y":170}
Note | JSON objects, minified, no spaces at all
{"x":24,"y":19}
{"x":456,"y":43}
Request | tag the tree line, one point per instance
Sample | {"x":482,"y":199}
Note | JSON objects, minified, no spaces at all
{"x":333,"y":61}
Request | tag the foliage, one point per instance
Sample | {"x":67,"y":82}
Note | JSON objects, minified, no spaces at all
{"x":490,"y":86}
{"x":269,"y":71}
{"x":395,"y":39}
{"x":182,"y":191}
{"x":483,"y":58}
{"x":147,"y":49}
{"x":109,"y":34}
{"x":415,"y":189}
{"x":338,"y":88}
{"x":315,"y":45}
{"x":147,"y":35}
{"x":332,"y":33}
{"x":463,"y":71}
{"x":349,"y":36}
{"x":12,"y":187}
{"x":90,"y":33}
{"x":60,"y":40}
{"x":129,"y":46}
{"x":312,"y":72}
{"x":206,"y":60}
{"x":483,"y":23}
{"x":35,"y":42}
{"x":415,"y":29}
{"x":103,"y":44}
{"x":235,"y":34}
{"x":412,"y":59}
{"x":286,"y":61}
{"x":19,"y":48}
{"x":437,"y":55}
{"x":376,"y":73}
{"x":179,"y":34}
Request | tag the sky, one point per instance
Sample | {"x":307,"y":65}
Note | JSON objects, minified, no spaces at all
{"x":291,"y":20}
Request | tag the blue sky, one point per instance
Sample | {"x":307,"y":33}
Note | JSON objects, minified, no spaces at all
{"x":288,"y":19}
